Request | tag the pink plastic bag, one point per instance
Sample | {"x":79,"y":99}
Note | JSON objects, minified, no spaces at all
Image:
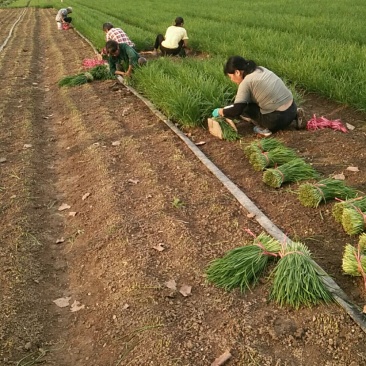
{"x":318,"y":123}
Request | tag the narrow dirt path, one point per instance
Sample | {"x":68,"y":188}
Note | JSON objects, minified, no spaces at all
{"x":131,"y":186}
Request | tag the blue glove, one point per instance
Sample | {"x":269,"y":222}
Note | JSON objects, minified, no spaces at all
{"x":215,"y":112}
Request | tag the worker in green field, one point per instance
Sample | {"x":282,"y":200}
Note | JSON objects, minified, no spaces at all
{"x":175,"y":41}
{"x":122,"y":58}
{"x":62,"y":17}
{"x":262,"y":98}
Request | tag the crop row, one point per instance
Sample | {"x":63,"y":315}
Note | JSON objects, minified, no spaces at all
{"x":313,"y":44}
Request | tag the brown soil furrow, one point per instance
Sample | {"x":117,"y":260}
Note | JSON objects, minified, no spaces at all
{"x":8,"y":18}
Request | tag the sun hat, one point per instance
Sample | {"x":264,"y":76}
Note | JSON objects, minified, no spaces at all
{"x":69,"y":9}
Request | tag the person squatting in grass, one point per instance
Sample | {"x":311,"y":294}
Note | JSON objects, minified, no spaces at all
{"x":122,"y":58}
{"x":262,"y":98}
{"x":175,"y":41}
{"x":115,"y":34}
{"x":63,"y":18}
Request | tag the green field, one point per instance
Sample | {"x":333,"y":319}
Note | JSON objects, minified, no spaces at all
{"x":319,"y":46}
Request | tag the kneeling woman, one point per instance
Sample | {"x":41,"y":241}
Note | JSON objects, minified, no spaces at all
{"x":262,"y":97}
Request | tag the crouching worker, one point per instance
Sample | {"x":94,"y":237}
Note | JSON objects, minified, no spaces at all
{"x":62,"y":18}
{"x":122,"y":58}
{"x":262,"y":98}
{"x":175,"y":41}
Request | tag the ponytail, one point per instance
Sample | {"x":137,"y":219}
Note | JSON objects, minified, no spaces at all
{"x":239,"y":63}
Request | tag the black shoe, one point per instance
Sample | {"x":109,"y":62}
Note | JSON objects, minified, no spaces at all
{"x":300,"y":119}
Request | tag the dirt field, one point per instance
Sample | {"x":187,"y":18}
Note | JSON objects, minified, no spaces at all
{"x":104,"y":207}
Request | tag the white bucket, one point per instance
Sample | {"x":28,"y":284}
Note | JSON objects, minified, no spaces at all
{"x":59,"y":25}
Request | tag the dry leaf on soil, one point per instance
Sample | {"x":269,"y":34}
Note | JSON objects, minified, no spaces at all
{"x":63,"y":207}
{"x":159,"y":247}
{"x":62,"y":302}
{"x":339,"y":176}
{"x":116,"y":143}
{"x":72,"y":214}
{"x":353,"y":169}
{"x":350,"y":127}
{"x":222,"y":359}
{"x":200,"y":143}
{"x":61,"y":240}
{"x":133,"y":181}
{"x":76,"y":306}
{"x":27,"y":146}
{"x":85,"y":196}
{"x":250,"y":215}
{"x":185,"y":290}
{"x":171,"y":284}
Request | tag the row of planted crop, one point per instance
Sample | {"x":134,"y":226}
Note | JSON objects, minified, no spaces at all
{"x":304,"y":46}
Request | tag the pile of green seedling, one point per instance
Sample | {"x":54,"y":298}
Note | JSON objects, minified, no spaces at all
{"x":228,"y":133}
{"x":351,"y":213}
{"x":287,"y":166}
{"x":354,"y":259}
{"x":296,"y":279}
{"x":292,"y":171}
{"x":264,"y":159}
{"x":100,"y":72}
{"x":312,"y":194}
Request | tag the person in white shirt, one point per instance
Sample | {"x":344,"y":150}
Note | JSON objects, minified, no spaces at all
{"x":175,"y":41}
{"x":62,"y":17}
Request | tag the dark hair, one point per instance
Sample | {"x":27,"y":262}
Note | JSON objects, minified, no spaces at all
{"x":178,"y":21}
{"x":107,"y":26}
{"x":239,"y":63}
{"x":111,"y":46}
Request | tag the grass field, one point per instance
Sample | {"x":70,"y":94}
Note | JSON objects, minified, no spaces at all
{"x":318,"y":46}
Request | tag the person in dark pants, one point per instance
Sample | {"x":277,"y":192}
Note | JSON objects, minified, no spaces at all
{"x":262,"y":98}
{"x":175,"y":41}
{"x":122,"y":58}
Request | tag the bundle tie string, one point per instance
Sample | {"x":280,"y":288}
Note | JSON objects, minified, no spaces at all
{"x":317,"y":186}
{"x":359,"y":264}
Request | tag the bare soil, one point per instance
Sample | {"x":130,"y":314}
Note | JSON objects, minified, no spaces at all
{"x":100,"y":150}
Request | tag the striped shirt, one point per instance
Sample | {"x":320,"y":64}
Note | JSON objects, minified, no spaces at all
{"x":118,"y":35}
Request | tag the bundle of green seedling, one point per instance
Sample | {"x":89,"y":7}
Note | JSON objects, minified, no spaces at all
{"x":353,"y":220}
{"x":354,"y":259}
{"x":241,"y":267}
{"x":312,"y":194}
{"x":262,"y":145}
{"x":292,"y":171}
{"x":297,"y":279}
{"x":273,"y":157}
{"x":100,"y":72}
{"x":337,"y":211}
{"x":228,"y":132}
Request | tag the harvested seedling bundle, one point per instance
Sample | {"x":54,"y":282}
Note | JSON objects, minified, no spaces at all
{"x":241,"y":267}
{"x":353,"y":220}
{"x":354,"y":259}
{"x":293,"y":171}
{"x":337,"y":211}
{"x":312,"y":194}
{"x":277,"y":156}
{"x":228,"y":132}
{"x":100,"y":72}
{"x":297,"y":281}
{"x":261,"y":145}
